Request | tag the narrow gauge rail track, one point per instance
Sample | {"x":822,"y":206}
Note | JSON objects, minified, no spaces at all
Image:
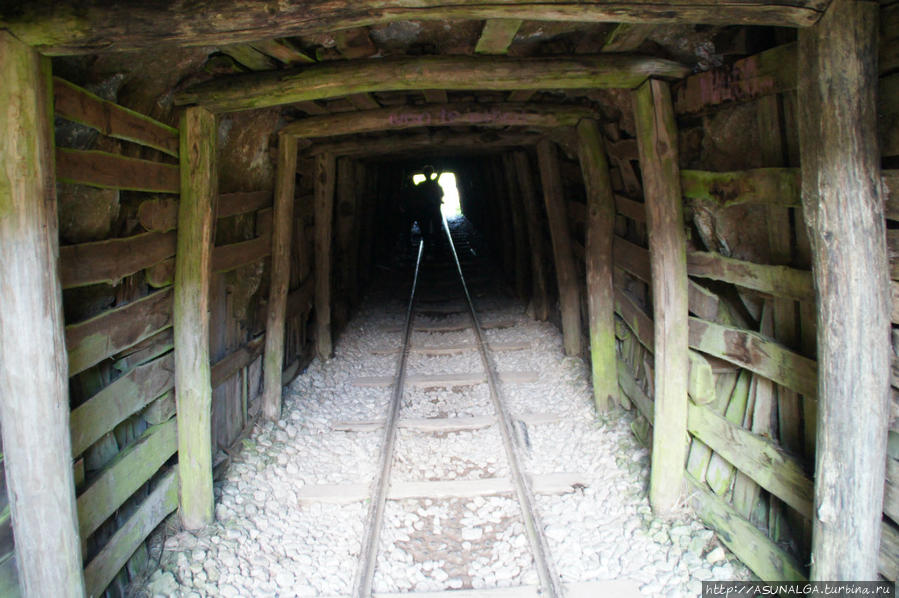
{"x":550,"y":584}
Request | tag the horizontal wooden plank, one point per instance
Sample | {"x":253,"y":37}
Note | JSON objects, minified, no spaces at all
{"x":634,"y":210}
{"x":112,"y":260}
{"x":160,"y":214}
{"x":232,"y":204}
{"x":112,"y":171}
{"x":768,"y":186}
{"x":163,"y":500}
{"x":422,"y":424}
{"x":636,"y":319}
{"x":623,"y":149}
{"x":229,"y":365}
{"x":888,"y":561}
{"x":772,"y":71}
{"x":581,"y":589}
{"x":126,"y":396}
{"x":124,"y":475}
{"x":235,"y":255}
{"x":780,"y":281}
{"x":765,"y":558}
{"x":76,"y":104}
{"x":632,"y":258}
{"x":756,"y":353}
{"x":755,"y":456}
{"x":445,"y":380}
{"x":91,"y":341}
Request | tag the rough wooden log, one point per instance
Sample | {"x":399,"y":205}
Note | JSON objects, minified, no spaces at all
{"x":235,"y":361}
{"x":632,"y":258}
{"x":438,"y":115}
{"x":657,"y":144}
{"x":780,"y":281}
{"x":232,"y":204}
{"x":566,"y":275}
{"x":111,"y":260}
{"x":530,"y":203}
{"x":844,"y":213}
{"x":519,"y":229}
{"x":435,"y":96}
{"x":71,"y":27}
{"x":199,"y":188}
{"x":249,"y":57}
{"x":497,"y":35}
{"x":112,"y":171}
{"x":76,"y":104}
{"x":772,"y":186}
{"x":770,"y":72}
{"x":631,"y":388}
{"x":635,"y":318}
{"x":34,"y":400}
{"x":284,"y":51}
{"x":325,"y":172}
{"x":262,"y":90}
{"x":273,"y":362}
{"x":234,"y":255}
{"x":600,"y":291}
{"x":634,"y":210}
{"x":701,"y":383}
{"x":91,"y":341}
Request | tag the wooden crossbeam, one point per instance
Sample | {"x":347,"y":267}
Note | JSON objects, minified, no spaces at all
{"x":497,"y":36}
{"x":502,"y":73}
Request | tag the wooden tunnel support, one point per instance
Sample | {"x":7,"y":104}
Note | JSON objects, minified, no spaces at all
{"x":325,"y":172}
{"x":566,"y":274}
{"x":844,"y":213}
{"x":599,"y":260}
{"x":193,"y":383}
{"x":285,"y":182}
{"x":522,"y":257}
{"x":539,"y":299}
{"x":34,"y":398}
{"x":657,"y":145}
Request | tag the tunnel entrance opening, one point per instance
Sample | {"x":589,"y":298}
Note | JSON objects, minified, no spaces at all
{"x":451,"y":207}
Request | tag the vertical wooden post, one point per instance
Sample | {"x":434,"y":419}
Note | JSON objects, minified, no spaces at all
{"x":325,"y":171}
{"x":285,"y":182}
{"x":657,"y":144}
{"x":499,"y":196}
{"x":193,"y":383}
{"x":34,"y":398}
{"x":566,"y":274}
{"x":600,"y":293}
{"x":539,"y":298}
{"x":522,"y":280}
{"x":841,"y":196}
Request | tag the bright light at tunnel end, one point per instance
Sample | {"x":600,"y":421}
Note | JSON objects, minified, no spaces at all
{"x":451,"y":207}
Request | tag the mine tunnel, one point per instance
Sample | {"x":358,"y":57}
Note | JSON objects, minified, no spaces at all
{"x":447,"y":299}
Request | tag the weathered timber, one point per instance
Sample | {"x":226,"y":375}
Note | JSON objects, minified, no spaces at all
{"x":635,"y":318}
{"x":780,"y":281}
{"x":761,"y":555}
{"x":145,"y":350}
{"x":59,"y":28}
{"x":888,"y":558}
{"x":701,"y":383}
{"x":628,"y":37}
{"x":345,"y":211}
{"x":891,"y":193}
{"x":112,"y":171}
{"x":235,"y":361}
{"x":632,"y":258}
{"x":127,"y":472}
{"x":631,"y":388}
{"x":757,"y":353}
{"x":115,"y":554}
{"x":438,"y":115}
{"x":199,"y":188}
{"x":232,"y":204}
{"x":249,"y":57}
{"x":325,"y":173}
{"x":159,"y":215}
{"x":599,"y":260}
{"x":657,"y":144}
{"x":566,"y":274}
{"x":634,"y":210}
{"x":888,"y":115}
{"x":844,"y":213}
{"x":234,"y":255}
{"x":497,"y":35}
{"x":283,"y":50}
{"x":519,"y":229}
{"x":769,"y":72}
{"x":772,"y":186}
{"x":120,"y":399}
{"x":91,"y":341}
{"x":76,"y":104}
{"x":530,"y":203}
{"x":756,"y":456}
{"x":301,"y":300}
{"x":435,"y":96}
{"x":720,"y":474}
{"x":363,"y":101}
{"x":888,"y":60}
{"x":112,"y":260}
{"x":273,"y":362}
{"x":891,"y":489}
{"x":341,"y":78}
{"x":34,"y":400}
{"x":521,"y":95}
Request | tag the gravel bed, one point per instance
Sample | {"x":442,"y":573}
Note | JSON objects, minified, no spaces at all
{"x":460,"y":363}
{"x":430,"y":545}
{"x":464,"y":455}
{"x":429,"y":339}
{"x":463,"y":401}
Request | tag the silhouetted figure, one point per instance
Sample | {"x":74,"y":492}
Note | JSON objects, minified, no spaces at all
{"x":428,"y":199}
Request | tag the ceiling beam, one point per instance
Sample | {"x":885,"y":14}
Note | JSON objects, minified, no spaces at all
{"x":497,"y":36}
{"x":384,"y":145}
{"x":60,"y":27}
{"x":335,"y":79}
{"x":445,"y":115}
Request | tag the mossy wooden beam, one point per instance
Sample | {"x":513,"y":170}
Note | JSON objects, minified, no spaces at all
{"x":112,"y":171}
{"x":767,"y":560}
{"x":635,"y":318}
{"x":443,"y":139}
{"x":657,"y":144}
{"x":78,"y":27}
{"x":566,"y":274}
{"x":599,"y":260}
{"x":111,"y":260}
{"x":497,"y":36}
{"x":539,"y":284}
{"x":843,"y":209}
{"x":273,"y":362}
{"x":341,"y":78}
{"x":325,"y":182}
{"x":199,"y":187}
{"x":780,"y":281}
{"x":34,"y":399}
{"x":771,"y":186}
{"x":443,"y":115}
